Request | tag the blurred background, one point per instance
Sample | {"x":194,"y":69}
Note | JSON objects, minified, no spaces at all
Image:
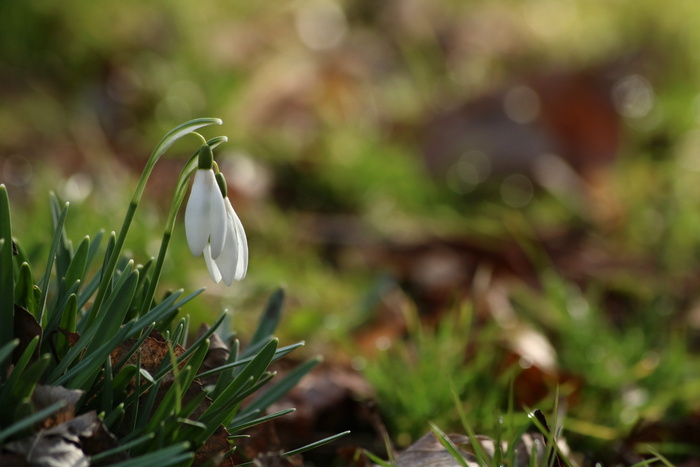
{"x":526,"y":172}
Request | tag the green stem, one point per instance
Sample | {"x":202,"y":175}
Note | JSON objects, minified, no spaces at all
{"x":164,"y":144}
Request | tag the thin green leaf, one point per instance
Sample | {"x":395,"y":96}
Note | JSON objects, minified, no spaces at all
{"x":115,"y":417}
{"x":24,"y":290}
{"x":450,"y":446}
{"x":281,"y":352}
{"x":283,"y":386}
{"x":7,"y":286}
{"x":196,"y":344}
{"x":107,"y":389}
{"x":94,"y":247}
{"x":227,"y":375}
{"x":64,"y":250}
{"x":121,"y":448}
{"x":44,"y":284}
{"x":479,"y":452}
{"x":269,"y":320}
{"x":171,"y":455}
{"x":69,"y":318}
{"x":238,"y":426}
{"x":29,"y":421}
{"x":377,"y":460}
{"x":76,"y":268}
{"x":321,"y":442}
{"x":24,"y":387}
{"x":116,"y":308}
{"x":17,"y":373}
{"x":6,"y":351}
{"x":219,"y":410}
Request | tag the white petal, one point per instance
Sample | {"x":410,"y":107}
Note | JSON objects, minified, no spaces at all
{"x":217,"y":221}
{"x":229,"y":256}
{"x":197,"y":212}
{"x":241,"y":246}
{"x":211,"y":265}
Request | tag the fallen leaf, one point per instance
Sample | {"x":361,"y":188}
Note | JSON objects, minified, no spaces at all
{"x":61,"y":445}
{"x":428,"y":451}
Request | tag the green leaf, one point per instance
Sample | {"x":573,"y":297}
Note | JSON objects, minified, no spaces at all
{"x":69,"y":318}
{"x":6,"y":351}
{"x":64,"y":250}
{"x":115,"y":417}
{"x":107,"y":401}
{"x":44,"y":283}
{"x":318,"y":443}
{"x":273,"y":394}
{"x":220,"y":409}
{"x":239,"y":425}
{"x":279,"y":353}
{"x":57,"y":310}
{"x":168,"y":406}
{"x":171,"y":455}
{"x":24,"y":385}
{"x":17,"y":373}
{"x":94,"y":247}
{"x":7,"y":286}
{"x":29,"y":421}
{"x":227,"y":375}
{"x":76,"y":268}
{"x":479,"y":452}
{"x":269,"y":320}
{"x":124,"y":447}
{"x":24,"y":290}
{"x":123,"y":378}
{"x":195,"y":345}
{"x":116,"y":307}
{"x":450,"y":446}
{"x":89,"y":366}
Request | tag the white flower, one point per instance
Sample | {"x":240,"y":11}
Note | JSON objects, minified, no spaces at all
{"x":232,"y":264}
{"x":205,"y":216}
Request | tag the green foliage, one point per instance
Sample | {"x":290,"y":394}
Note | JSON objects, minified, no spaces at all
{"x":97,"y":331}
{"x":414,"y":377}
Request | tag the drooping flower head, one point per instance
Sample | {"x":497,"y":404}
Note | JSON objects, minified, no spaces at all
{"x":205,"y":213}
{"x":232,"y":264}
{"x":212,"y":226}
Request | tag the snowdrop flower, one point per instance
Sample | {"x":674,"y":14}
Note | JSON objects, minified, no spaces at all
{"x":232,"y":264}
{"x":212,"y":226}
{"x":205,"y":214}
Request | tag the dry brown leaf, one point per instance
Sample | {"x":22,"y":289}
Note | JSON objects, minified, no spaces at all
{"x":61,"y":445}
{"x":428,"y":451}
{"x":214,"y":450}
{"x":152,"y":352}
{"x":71,"y":336}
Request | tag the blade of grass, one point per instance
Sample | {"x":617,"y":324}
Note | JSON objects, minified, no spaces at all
{"x":283,"y":386}
{"x":243,"y":426}
{"x":318,"y":443}
{"x":450,"y":446}
{"x":29,"y":421}
{"x":7,"y":286}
